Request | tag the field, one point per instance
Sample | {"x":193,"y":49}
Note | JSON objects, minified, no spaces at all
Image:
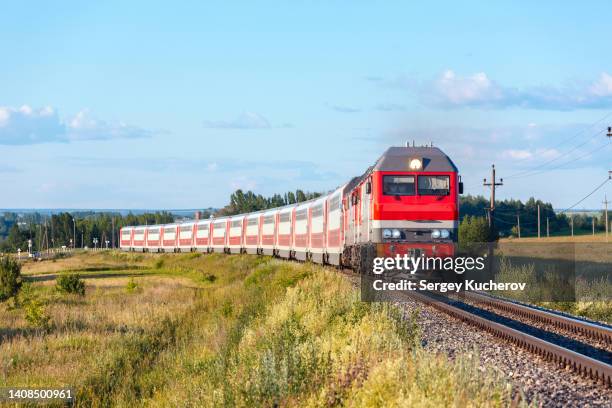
{"x":216,"y":330}
{"x":599,"y":237}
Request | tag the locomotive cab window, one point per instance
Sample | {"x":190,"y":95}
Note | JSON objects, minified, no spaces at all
{"x":398,"y":185}
{"x":434,"y":185}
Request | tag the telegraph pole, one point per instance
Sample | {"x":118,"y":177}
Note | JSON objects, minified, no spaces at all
{"x":113,"y":232}
{"x":572,"y":224}
{"x":593,"y":222}
{"x":492,"y":184}
{"x":547,"y":229}
{"x":518,"y":224}
{"x":538,"y":221}
{"x":605,"y":203}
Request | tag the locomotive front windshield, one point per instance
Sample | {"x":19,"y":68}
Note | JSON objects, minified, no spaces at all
{"x":398,"y":185}
{"x":434,"y":185}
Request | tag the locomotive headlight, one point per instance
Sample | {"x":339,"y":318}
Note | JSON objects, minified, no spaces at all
{"x":444,"y":234}
{"x":396,"y":233}
{"x":435,"y":234}
{"x":415,"y":164}
{"x":387,"y":233}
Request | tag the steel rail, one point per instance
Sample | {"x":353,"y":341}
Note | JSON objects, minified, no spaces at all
{"x":586,"y":366}
{"x":592,"y":330}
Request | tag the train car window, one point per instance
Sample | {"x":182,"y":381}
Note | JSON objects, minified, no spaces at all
{"x":253,"y":221}
{"x":269,"y":219}
{"x":219,"y":225}
{"x":237,"y":223}
{"x":317,"y":211}
{"x":285,"y":217}
{"x":334,"y":203}
{"x":126,"y":233}
{"x":202,"y":227}
{"x":186,"y":228}
{"x":434,"y":185}
{"x":153,"y":231}
{"x":399,"y":185}
{"x":301,"y":214}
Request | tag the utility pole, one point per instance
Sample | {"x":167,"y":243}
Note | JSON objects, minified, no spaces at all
{"x":518,"y":224}
{"x":547,"y":228}
{"x":538,"y":221}
{"x":113,"y":232}
{"x":572,"y":224}
{"x":593,"y":222}
{"x":492,"y":184}
{"x":605,"y":203}
{"x":74,"y":233}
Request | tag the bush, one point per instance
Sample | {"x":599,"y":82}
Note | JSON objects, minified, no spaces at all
{"x":209,"y":277}
{"x":131,"y":286}
{"x":71,"y":283}
{"x":33,"y":308}
{"x":473,"y":232}
{"x":10,"y":277}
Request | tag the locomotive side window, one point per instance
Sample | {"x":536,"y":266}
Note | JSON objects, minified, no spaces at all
{"x":434,"y":185}
{"x":398,"y":185}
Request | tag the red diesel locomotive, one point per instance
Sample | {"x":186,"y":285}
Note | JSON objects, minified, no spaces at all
{"x":407,"y":203}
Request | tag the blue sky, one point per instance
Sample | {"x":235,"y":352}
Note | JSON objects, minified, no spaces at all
{"x":153,"y":105}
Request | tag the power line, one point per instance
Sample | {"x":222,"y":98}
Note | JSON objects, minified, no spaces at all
{"x":598,"y":148}
{"x":607,"y":115}
{"x":587,"y":196}
{"x":524,"y":173}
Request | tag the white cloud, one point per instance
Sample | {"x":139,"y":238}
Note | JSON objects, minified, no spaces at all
{"x":83,"y":126}
{"x":246,"y":120}
{"x":603,"y":86}
{"x":452,"y":90}
{"x":456,"y":90}
{"x":26,"y":125}
{"x":517,"y":154}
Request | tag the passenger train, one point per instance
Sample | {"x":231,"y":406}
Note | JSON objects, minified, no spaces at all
{"x":406,"y":203}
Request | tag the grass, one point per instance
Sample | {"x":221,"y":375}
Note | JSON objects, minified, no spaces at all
{"x":157,"y":330}
{"x":593,"y":295}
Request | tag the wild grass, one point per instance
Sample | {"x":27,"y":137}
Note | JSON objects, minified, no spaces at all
{"x":592,"y":296}
{"x":263,"y":332}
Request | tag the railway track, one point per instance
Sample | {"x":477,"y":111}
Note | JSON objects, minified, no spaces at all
{"x":584,"y":359}
{"x":595,"y":331}
{"x":594,"y":368}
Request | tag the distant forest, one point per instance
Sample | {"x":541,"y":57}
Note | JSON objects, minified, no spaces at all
{"x":80,"y":228}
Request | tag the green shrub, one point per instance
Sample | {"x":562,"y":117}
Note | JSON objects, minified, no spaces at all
{"x":131,"y":286}
{"x":159,"y":263}
{"x":34,"y":308}
{"x":209,"y":277}
{"x":10,"y":277}
{"x":474,"y":233}
{"x":70,"y":283}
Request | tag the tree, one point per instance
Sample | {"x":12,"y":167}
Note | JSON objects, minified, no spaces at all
{"x":473,"y":233}
{"x":10,"y":277}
